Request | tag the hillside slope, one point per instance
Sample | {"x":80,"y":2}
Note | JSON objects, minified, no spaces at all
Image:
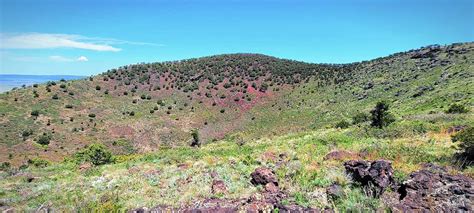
{"x":139,"y":108}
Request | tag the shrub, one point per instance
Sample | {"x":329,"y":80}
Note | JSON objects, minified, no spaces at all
{"x":342,"y":124}
{"x":68,"y":106}
{"x":380,"y":116}
{"x":4,"y":166}
{"x":44,"y":139}
{"x":195,"y":135}
{"x":97,"y":87}
{"x":222,"y":110}
{"x":35,"y":113}
{"x":457,"y":108}
{"x":360,"y":117}
{"x":55,"y":97}
{"x":92,"y":115}
{"x":97,"y":154}
{"x":26,"y":133}
{"x":466,"y":139}
{"x":37,"y":162}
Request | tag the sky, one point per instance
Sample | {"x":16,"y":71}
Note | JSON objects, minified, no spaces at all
{"x":87,"y":37}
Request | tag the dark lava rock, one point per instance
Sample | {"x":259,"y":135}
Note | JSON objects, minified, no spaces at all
{"x":455,"y":129}
{"x":375,"y":177}
{"x":272,"y":188}
{"x":218,"y":187}
{"x":262,"y":176}
{"x":297,"y":208}
{"x":432,"y":190}
{"x":421,"y":90}
{"x":369,"y":85}
{"x":335,"y":191}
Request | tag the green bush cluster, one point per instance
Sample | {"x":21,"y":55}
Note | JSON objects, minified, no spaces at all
{"x":457,"y":108}
{"x":44,"y":139}
{"x":97,"y":154}
{"x":466,"y":139}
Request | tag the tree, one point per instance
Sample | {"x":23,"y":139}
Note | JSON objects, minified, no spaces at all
{"x":195,"y":135}
{"x":96,"y":154}
{"x":380,"y":116}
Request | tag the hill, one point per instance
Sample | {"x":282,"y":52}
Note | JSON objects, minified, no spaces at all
{"x":248,"y":110}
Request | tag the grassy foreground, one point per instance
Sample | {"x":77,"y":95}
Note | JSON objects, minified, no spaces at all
{"x":182,"y":176}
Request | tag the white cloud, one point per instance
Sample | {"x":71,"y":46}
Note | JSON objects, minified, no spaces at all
{"x":49,"y":41}
{"x":59,"y":58}
{"x":82,"y":58}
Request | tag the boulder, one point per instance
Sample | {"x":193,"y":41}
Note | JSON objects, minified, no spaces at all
{"x":375,"y":177}
{"x":434,"y":190}
{"x":262,"y":176}
{"x":218,"y":187}
{"x":271,"y":188}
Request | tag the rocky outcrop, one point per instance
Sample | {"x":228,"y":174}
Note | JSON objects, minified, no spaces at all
{"x":434,"y":190}
{"x":375,"y":177}
{"x":262,"y":176}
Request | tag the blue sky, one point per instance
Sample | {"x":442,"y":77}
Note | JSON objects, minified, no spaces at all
{"x":88,"y":37}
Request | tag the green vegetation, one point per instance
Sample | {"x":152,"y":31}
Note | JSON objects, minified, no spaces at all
{"x":457,"y":108}
{"x":342,"y":124}
{"x":380,"y":115}
{"x":97,"y":154}
{"x":466,"y":139}
{"x":44,"y":139}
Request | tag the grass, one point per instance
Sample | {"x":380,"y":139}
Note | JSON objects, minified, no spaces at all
{"x":181,"y":175}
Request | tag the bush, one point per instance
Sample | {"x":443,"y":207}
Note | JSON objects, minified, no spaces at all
{"x":68,"y":106}
{"x":97,"y":154}
{"x":4,"y":166}
{"x":26,"y":133}
{"x":35,"y":113}
{"x":97,"y":87}
{"x":37,"y":162}
{"x":92,"y":115}
{"x":457,"y":108}
{"x":360,"y":117}
{"x":342,"y":124}
{"x":195,"y":135}
{"x":466,"y":139}
{"x":380,"y":116}
{"x":44,"y":139}
{"x":55,"y":97}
